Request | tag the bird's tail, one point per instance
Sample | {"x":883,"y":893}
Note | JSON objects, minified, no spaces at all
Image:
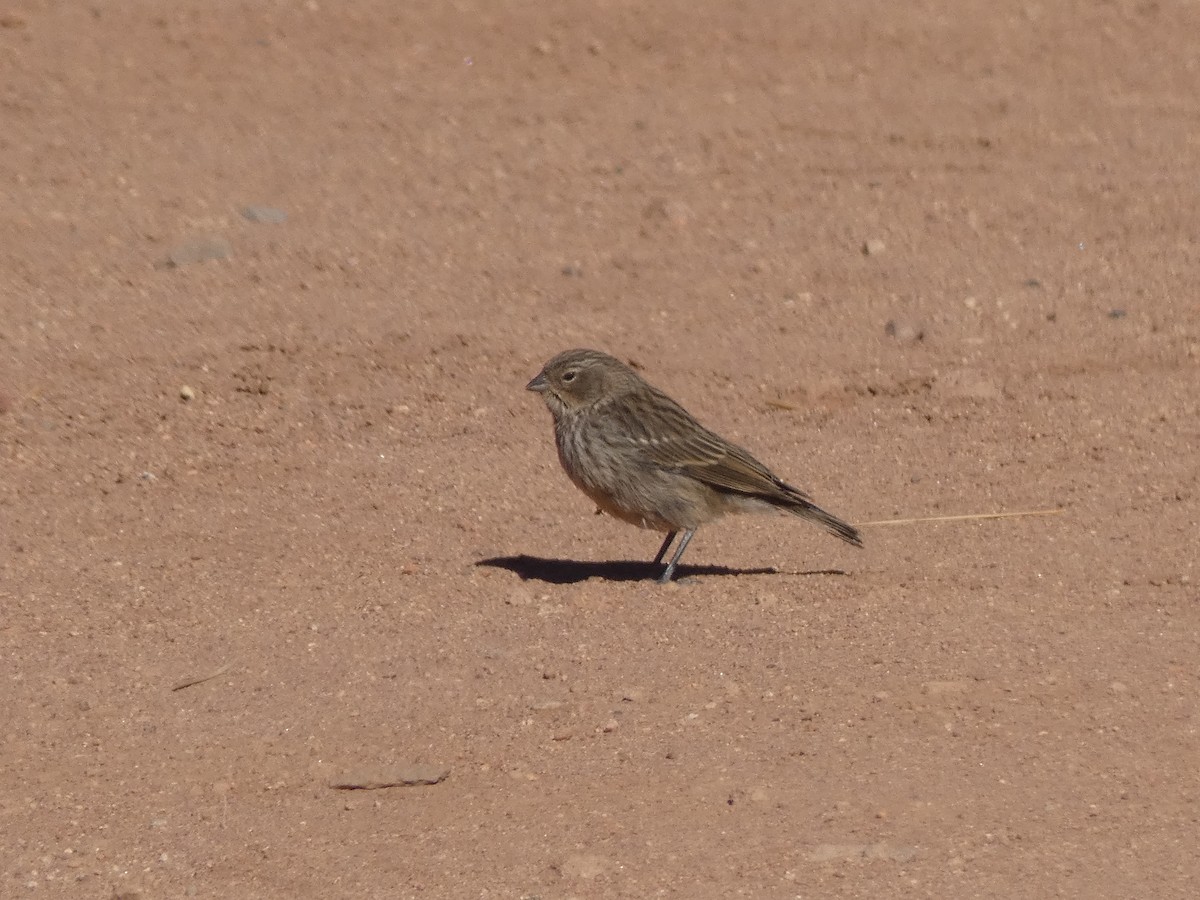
{"x":799,"y":505}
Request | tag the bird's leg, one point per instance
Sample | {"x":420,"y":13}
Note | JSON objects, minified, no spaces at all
{"x":670,"y":569}
{"x":662,"y":551}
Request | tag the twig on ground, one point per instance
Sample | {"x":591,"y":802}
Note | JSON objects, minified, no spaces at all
{"x":192,"y":682}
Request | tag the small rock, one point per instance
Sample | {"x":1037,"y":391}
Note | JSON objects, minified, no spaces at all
{"x":873,"y":247}
{"x":611,"y":725}
{"x":198,"y":250}
{"x":266,"y":215}
{"x":906,"y":331}
{"x":187,"y":393}
{"x":1118,"y":687}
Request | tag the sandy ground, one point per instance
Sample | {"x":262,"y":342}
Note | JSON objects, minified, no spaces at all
{"x":308,"y":466}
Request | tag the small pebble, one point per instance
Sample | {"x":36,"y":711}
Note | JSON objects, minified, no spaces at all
{"x":873,"y":247}
{"x":187,"y":393}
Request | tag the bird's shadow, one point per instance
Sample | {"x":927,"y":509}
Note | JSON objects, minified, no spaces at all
{"x":573,"y":571}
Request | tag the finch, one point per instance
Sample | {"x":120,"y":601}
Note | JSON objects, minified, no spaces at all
{"x":642,"y":458}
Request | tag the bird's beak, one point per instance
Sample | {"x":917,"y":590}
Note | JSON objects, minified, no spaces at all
{"x":539,"y":383}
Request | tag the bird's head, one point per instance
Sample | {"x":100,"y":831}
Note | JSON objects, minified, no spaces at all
{"x":577,"y":379}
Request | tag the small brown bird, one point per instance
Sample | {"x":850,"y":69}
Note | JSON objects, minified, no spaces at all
{"x":641,"y":457}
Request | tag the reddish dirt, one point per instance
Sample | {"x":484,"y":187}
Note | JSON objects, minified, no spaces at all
{"x":357,"y":520}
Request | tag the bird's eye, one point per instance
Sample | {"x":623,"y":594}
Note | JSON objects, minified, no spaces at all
{"x":569,"y":376}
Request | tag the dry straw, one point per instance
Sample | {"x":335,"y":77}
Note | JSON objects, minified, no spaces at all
{"x":964,"y":518}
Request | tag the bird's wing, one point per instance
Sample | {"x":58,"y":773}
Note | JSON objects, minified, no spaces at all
{"x":666,"y":435}
{"x":720,"y":464}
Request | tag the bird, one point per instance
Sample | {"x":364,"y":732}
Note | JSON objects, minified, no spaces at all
{"x":642,"y":458}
